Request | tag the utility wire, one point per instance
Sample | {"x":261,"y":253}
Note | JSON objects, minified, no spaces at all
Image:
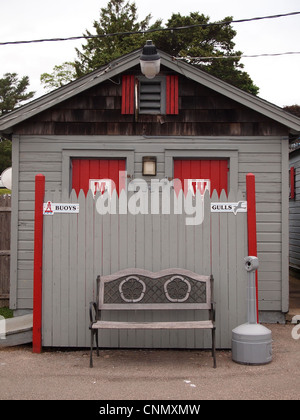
{"x":179,"y":28}
{"x":236,"y":56}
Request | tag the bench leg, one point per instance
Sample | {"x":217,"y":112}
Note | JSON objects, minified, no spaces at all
{"x":97,"y":341}
{"x":213,"y":340}
{"x":94,"y":333}
{"x":92,"y":346}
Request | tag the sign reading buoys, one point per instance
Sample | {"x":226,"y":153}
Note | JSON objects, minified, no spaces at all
{"x":51,"y":208}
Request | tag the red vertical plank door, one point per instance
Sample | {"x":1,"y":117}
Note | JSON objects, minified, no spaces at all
{"x":75,"y":175}
{"x":85,"y":169}
{"x":215,"y":170}
{"x":84,"y":175}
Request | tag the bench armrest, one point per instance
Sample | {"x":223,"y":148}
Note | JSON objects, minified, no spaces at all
{"x":93,"y":313}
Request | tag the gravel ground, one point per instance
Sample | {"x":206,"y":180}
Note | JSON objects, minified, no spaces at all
{"x":150,"y":374}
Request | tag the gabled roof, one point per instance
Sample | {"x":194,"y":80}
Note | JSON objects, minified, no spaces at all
{"x":128,"y":61}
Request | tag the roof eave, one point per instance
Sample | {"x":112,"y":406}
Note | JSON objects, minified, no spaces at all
{"x":251,"y":101}
{"x":65,"y":92}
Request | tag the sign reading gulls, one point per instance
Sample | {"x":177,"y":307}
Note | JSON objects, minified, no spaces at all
{"x":240,"y":207}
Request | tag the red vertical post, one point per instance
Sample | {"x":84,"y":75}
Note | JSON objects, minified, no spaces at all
{"x":38,"y":263}
{"x":251,"y":217}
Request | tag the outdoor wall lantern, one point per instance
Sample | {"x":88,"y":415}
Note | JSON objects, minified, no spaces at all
{"x":149,"y":166}
{"x":150,"y":60}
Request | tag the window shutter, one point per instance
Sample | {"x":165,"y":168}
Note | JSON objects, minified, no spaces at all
{"x":128,"y":94}
{"x":172,"y":95}
{"x":292,"y":183}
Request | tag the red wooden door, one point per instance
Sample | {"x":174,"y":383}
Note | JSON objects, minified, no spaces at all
{"x":214,"y":170}
{"x":85,"y":169}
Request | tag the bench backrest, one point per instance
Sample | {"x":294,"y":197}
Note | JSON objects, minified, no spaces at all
{"x":167,"y":289}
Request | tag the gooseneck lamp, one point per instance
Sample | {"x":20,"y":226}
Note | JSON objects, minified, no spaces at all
{"x":150,"y":60}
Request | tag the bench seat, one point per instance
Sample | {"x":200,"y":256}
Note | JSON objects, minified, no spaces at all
{"x":153,"y":325}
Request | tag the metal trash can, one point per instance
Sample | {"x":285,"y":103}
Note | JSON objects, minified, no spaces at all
{"x":251,"y":342}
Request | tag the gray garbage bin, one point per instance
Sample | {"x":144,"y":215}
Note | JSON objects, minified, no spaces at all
{"x":251,"y":342}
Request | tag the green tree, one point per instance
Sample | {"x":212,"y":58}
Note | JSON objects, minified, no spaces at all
{"x":294,"y":139}
{"x":293,"y":109}
{"x":5,"y":154}
{"x":13,"y":92}
{"x":61,"y":75}
{"x":201,"y":40}
{"x":120,"y":16}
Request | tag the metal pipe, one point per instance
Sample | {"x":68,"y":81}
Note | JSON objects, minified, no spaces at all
{"x":251,"y":265}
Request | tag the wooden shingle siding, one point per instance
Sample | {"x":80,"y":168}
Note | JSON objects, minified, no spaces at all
{"x":201,"y":112}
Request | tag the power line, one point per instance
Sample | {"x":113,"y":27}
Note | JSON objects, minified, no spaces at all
{"x":236,"y":56}
{"x":149,"y":31}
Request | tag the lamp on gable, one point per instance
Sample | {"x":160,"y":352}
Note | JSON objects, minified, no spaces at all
{"x":150,"y":60}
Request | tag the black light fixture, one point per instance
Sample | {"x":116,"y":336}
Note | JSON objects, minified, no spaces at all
{"x":150,"y":60}
{"x":149,"y":166}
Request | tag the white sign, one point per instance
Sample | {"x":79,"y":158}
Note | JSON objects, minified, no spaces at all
{"x":199,"y":184}
{"x":51,"y":208}
{"x":240,"y":207}
{"x":101,"y":185}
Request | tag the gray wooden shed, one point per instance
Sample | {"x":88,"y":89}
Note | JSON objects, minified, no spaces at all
{"x":182,"y":117}
{"x":294,"y":209}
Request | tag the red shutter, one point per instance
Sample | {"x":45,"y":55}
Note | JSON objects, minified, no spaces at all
{"x":172,"y":95}
{"x":85,"y":169}
{"x":292,"y":183}
{"x":128,"y":94}
{"x":215,"y":170}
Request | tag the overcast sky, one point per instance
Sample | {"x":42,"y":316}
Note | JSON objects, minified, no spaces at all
{"x":277,"y":77}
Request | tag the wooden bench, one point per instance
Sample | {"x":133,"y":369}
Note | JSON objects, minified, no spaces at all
{"x":135,"y":289}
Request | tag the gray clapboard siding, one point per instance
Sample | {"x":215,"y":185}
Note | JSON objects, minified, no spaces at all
{"x":43,"y":154}
{"x":79,"y":247}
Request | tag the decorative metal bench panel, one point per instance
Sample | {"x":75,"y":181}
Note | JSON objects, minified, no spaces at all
{"x":137,"y":289}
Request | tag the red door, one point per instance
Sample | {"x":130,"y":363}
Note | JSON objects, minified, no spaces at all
{"x":214,"y":170}
{"x":83,"y":170}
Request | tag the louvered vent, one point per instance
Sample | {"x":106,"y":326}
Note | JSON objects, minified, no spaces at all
{"x":150,"y":101}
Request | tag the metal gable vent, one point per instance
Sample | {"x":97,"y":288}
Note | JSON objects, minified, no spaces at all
{"x":152,"y":96}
